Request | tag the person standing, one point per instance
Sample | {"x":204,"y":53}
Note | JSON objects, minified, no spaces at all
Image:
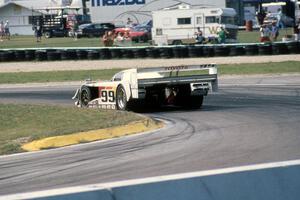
{"x":199,"y":36}
{"x":6,"y":30}
{"x":274,"y":32}
{"x":38,"y":31}
{"x":222,"y":35}
{"x":1,"y":31}
{"x":264,"y":33}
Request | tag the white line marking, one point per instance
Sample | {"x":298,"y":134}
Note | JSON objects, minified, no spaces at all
{"x":107,"y":186}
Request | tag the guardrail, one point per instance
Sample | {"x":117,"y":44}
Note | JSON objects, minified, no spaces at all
{"x":276,"y":181}
{"x":181,"y":51}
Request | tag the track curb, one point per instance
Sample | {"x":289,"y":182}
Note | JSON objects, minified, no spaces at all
{"x":94,"y":135}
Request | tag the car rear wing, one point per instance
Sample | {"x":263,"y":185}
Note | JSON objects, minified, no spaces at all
{"x":172,"y":75}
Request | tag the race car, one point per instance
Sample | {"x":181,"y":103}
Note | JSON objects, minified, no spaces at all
{"x":183,"y":85}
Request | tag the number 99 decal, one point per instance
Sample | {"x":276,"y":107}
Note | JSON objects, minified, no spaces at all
{"x":107,"y":96}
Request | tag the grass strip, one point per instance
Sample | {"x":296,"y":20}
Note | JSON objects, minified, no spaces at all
{"x":61,"y":76}
{"x":56,"y":76}
{"x":30,"y":41}
{"x":21,"y":124}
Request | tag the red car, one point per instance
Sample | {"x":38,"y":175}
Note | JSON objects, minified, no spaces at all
{"x":135,"y":34}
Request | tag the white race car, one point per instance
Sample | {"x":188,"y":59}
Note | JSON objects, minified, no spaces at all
{"x":176,"y":85}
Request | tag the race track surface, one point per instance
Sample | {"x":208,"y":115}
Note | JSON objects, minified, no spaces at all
{"x":250,"y":120}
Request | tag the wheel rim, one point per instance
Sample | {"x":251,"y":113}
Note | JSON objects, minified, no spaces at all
{"x":84,"y":98}
{"x":121,"y":99}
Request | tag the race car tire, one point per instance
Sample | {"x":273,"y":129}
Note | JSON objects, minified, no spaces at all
{"x":139,"y":53}
{"x":7,"y":56}
{"x":194,"y":102}
{"x":280,"y":48}
{"x":121,"y":98}
{"x":85,"y":96}
{"x":127,"y":53}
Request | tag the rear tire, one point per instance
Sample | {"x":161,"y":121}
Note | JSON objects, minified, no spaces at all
{"x":195,"y":102}
{"x":85,"y":96}
{"x":121,"y":98}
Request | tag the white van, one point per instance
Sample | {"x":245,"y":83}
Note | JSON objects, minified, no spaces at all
{"x":177,"y":25}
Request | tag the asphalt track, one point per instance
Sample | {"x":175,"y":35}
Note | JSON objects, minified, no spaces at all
{"x":250,"y":120}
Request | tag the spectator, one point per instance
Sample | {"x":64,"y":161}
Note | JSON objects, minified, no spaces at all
{"x":1,"y":31}
{"x":108,"y":39}
{"x":264,"y":33}
{"x":119,"y":40}
{"x":6,"y":30}
{"x":260,"y":17}
{"x":74,"y":29}
{"x":127,"y":38}
{"x":297,"y":32}
{"x":38,"y":31}
{"x":222,"y":35}
{"x":199,"y":36}
{"x":274,"y":31}
{"x":129,"y":22}
{"x":105,"y":39}
{"x":279,"y":19}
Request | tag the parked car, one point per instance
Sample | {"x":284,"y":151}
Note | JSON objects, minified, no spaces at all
{"x":94,"y":29}
{"x":136,"y":34}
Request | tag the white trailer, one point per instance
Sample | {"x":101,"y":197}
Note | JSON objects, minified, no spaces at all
{"x":177,"y":25}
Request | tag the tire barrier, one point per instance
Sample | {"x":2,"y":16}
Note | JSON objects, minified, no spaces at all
{"x":222,"y":51}
{"x":265,"y":49}
{"x":251,"y":50}
{"x":195,"y":51}
{"x":41,"y":55}
{"x":6,"y":56}
{"x":139,"y":53}
{"x":166,"y":52}
{"x":236,"y":51}
{"x":68,"y":54}
{"x":153,"y":52}
{"x":53,"y":55}
{"x":127,"y":53}
{"x":191,"y":51}
{"x":279,"y":48}
{"x":208,"y":51}
{"x":20,"y":55}
{"x":116,"y":53}
{"x":93,"y":55}
{"x":81,"y":54}
{"x":180,"y":52}
{"x":105,"y":53}
{"x":293,"y":47}
{"x":29,"y":55}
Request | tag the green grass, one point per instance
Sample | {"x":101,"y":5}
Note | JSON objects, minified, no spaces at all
{"x":60,"y":76}
{"x":260,"y":68}
{"x":57,"y":76}
{"x":30,"y":42}
{"x":24,"y":123}
{"x":254,"y":36}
